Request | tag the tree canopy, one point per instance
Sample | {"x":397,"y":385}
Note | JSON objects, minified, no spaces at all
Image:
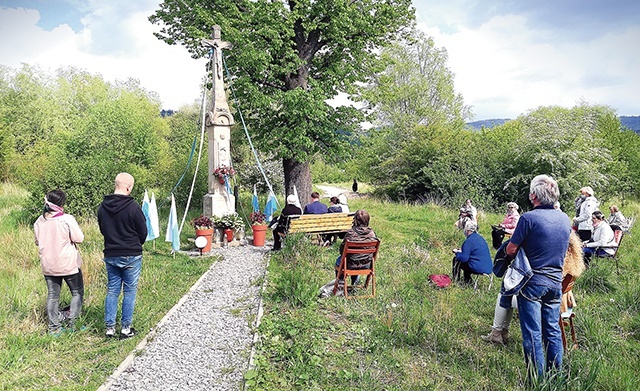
{"x":288,"y":58}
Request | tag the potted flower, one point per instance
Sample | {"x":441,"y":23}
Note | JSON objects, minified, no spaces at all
{"x":259,"y":227}
{"x":229,"y":222}
{"x":223,"y":172}
{"x":204,"y":227}
{"x":258,"y":218}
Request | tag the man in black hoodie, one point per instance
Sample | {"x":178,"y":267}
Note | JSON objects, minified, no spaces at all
{"x":123,"y":226}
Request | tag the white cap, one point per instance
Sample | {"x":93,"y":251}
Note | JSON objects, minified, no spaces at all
{"x":291,"y":199}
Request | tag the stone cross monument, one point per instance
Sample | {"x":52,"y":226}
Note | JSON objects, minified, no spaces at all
{"x":218,"y":201}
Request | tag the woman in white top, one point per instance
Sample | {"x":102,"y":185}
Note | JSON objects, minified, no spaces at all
{"x":602,"y":236}
{"x":56,"y":235}
{"x":589,"y":205}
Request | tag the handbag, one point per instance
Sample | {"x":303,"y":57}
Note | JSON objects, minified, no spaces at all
{"x":501,"y":261}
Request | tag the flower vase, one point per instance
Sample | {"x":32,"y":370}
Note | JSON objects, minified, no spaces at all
{"x":240,"y":233}
{"x":208,"y":234}
{"x":229,"y":233}
{"x":259,"y":234}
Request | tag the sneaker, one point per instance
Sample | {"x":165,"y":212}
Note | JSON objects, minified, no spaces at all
{"x":111,"y":332}
{"x":127,"y":332}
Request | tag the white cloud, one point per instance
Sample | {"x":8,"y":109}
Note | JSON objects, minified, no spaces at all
{"x":167,"y":70}
{"x":505,"y":68}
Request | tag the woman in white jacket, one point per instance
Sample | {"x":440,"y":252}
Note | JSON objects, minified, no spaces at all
{"x":56,"y":236}
{"x":602,"y":236}
{"x":588,"y":206}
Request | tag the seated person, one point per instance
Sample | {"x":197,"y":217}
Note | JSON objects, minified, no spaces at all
{"x":573,"y":264}
{"x":473,"y":257}
{"x":334,"y":205}
{"x":507,"y":226}
{"x":616,"y":219}
{"x":359,"y":232}
{"x":342,"y":199}
{"x":315,"y":207}
{"x":602,"y":236}
{"x":289,"y":210}
{"x":468,"y":212}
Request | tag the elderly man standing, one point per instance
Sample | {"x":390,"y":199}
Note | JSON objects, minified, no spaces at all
{"x":123,"y":226}
{"x":543,"y":234}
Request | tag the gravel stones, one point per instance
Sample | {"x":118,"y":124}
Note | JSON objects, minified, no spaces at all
{"x":205,"y":341}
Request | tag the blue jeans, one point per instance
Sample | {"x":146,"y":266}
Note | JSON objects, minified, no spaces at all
{"x":122,"y":274}
{"x":539,"y":309}
{"x":54,"y":284}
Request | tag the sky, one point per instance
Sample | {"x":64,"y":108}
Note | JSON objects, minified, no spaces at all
{"x":508,"y":56}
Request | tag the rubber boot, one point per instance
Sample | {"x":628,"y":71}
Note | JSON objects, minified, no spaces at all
{"x":495,"y":336}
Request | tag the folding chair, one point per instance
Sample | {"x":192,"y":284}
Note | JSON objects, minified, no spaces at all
{"x":476,"y":277}
{"x":350,"y":248}
{"x":617,"y":236}
{"x":567,"y":320}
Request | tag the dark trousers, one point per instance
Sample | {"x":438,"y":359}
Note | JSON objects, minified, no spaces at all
{"x":277,"y":239}
{"x":460,"y":266}
{"x":497,"y":235}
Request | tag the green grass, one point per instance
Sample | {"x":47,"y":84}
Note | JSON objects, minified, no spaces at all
{"x":411,"y":336}
{"x":30,"y":359}
{"x":415,"y":337}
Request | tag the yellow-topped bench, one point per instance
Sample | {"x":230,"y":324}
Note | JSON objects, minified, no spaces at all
{"x":327,"y":223}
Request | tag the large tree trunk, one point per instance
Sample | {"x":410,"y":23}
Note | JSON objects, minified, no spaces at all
{"x":298,"y":174}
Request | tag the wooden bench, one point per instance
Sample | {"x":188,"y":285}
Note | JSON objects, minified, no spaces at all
{"x":319,"y":224}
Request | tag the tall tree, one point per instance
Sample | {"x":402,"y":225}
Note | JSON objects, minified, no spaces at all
{"x":289,"y":58}
{"x":415,"y":86}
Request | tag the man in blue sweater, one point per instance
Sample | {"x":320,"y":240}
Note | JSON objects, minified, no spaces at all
{"x":543,"y":234}
{"x":474,"y":256}
{"x":315,"y":207}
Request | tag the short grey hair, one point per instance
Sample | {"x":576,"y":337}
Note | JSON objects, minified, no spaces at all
{"x":471,"y":226}
{"x":545,"y":189}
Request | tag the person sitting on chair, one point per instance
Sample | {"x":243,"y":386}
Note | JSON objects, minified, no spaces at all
{"x":602,"y":236}
{"x":359,"y":232}
{"x":616,"y":219}
{"x":507,"y":226}
{"x":473,"y":257}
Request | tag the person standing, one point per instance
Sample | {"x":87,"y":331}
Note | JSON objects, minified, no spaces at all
{"x":543,"y":234}
{"x":588,"y":205}
{"x":315,"y":207}
{"x":57,"y":235}
{"x":123,"y":226}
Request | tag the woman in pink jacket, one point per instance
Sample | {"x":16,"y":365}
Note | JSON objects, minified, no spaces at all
{"x":56,"y":236}
{"x":507,"y":226}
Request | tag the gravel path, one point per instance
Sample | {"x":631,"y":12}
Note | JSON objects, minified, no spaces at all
{"x":205,"y":341}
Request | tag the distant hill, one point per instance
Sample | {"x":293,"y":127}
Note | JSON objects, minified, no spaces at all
{"x":631,"y":122}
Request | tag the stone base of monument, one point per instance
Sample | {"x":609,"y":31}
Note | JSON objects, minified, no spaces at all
{"x":217,"y":204}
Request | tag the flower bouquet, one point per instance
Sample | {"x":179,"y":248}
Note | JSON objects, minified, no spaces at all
{"x":222,"y":172}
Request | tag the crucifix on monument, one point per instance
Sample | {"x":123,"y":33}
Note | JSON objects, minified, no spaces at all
{"x":219,"y":200}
